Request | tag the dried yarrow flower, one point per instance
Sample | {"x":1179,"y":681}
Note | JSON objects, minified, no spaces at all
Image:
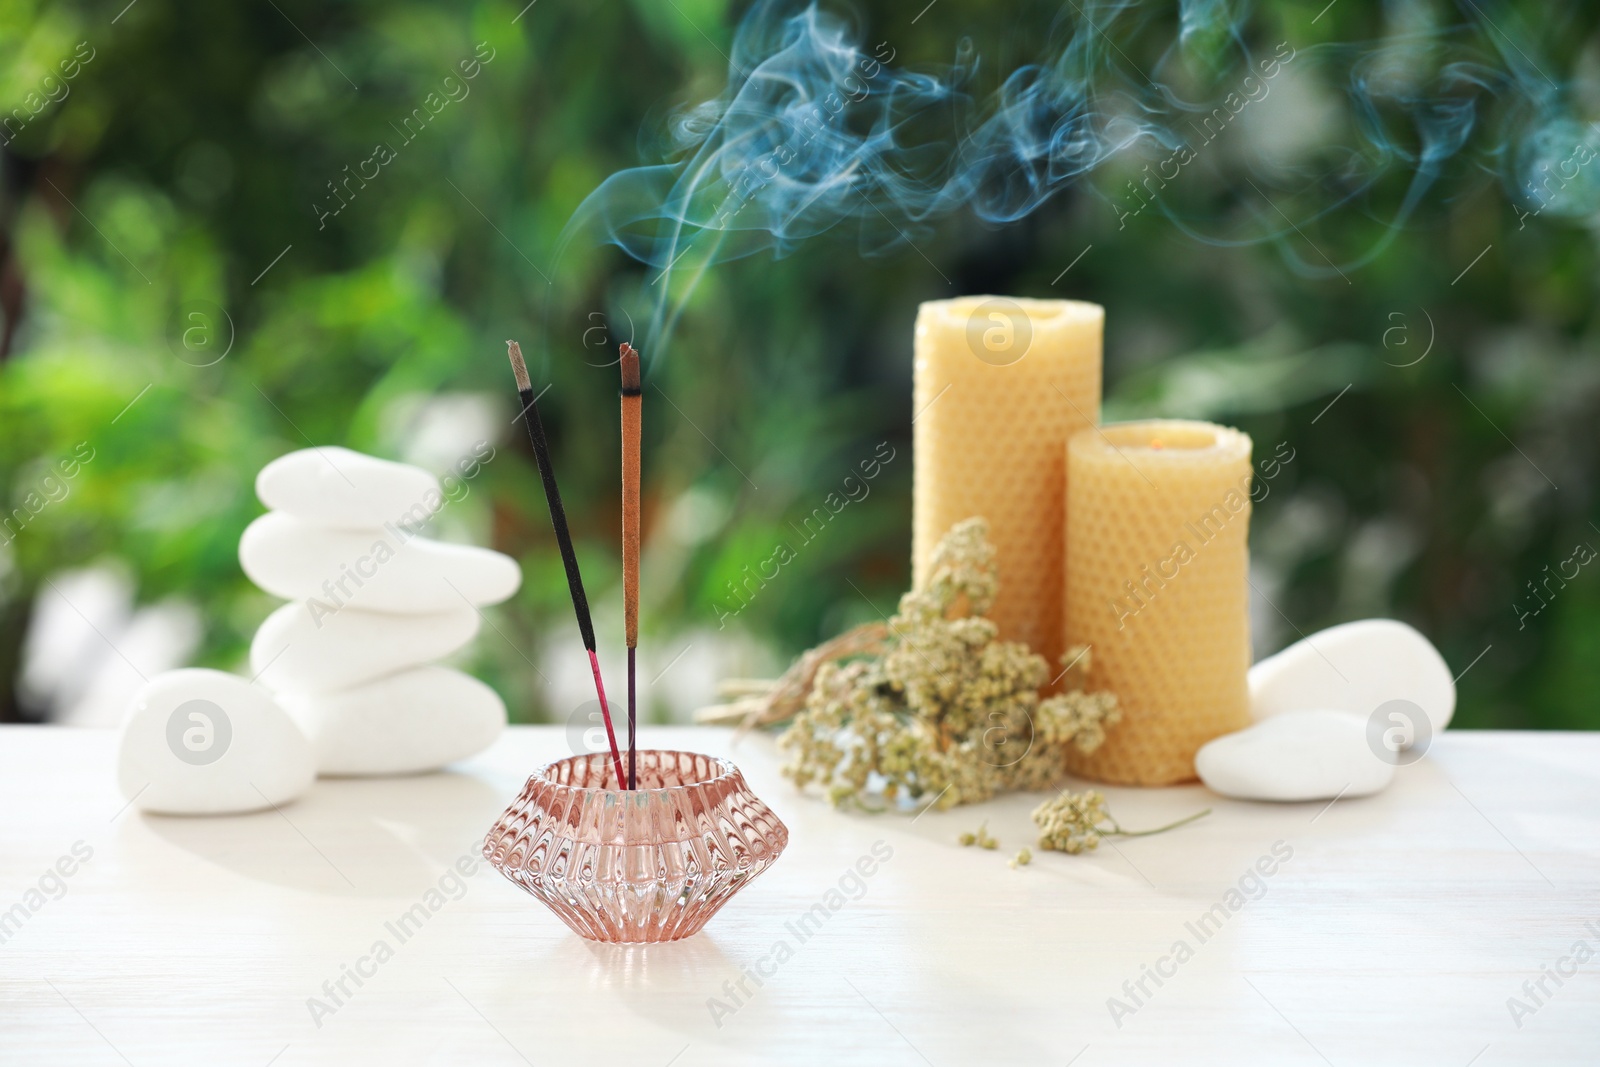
{"x":1071,"y":822}
{"x":1075,"y":822}
{"x":935,"y":706}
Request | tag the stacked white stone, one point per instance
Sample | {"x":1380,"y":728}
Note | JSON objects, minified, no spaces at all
{"x":372,"y":605}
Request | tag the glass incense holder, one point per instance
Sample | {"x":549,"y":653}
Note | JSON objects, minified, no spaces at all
{"x":636,"y":865}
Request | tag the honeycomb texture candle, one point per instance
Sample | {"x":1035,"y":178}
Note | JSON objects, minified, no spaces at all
{"x":1001,"y":384}
{"x":1158,"y":525}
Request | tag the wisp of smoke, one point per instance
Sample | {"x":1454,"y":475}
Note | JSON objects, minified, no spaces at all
{"x":818,"y":128}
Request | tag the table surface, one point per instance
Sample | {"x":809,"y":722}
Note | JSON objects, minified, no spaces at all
{"x":1397,"y":929}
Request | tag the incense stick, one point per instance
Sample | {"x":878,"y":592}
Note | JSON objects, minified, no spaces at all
{"x":632,"y":403}
{"x":558,"y":519}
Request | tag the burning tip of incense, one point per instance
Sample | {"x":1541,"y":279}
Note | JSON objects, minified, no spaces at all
{"x":518,"y":367}
{"x":630,"y":368}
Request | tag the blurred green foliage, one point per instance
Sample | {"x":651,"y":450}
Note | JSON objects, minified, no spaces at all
{"x":186,"y":169}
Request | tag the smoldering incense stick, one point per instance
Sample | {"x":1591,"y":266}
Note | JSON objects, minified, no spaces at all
{"x":569,"y":558}
{"x":632,"y":403}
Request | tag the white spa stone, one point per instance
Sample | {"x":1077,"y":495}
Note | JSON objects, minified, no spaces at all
{"x":377,"y":569}
{"x":202,"y":742}
{"x":1297,"y":755}
{"x":416,"y":720}
{"x":293,"y":651}
{"x":1357,"y":667}
{"x":337,"y":487}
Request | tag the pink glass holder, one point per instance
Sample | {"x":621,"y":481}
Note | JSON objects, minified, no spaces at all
{"x":636,"y":865}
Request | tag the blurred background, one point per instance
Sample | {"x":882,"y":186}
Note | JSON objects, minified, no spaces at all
{"x":1382,"y":266}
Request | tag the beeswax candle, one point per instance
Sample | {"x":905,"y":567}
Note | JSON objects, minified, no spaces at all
{"x":1001,"y":385}
{"x":1158,"y":523}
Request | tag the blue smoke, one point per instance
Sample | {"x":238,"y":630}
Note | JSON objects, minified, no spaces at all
{"x":818,"y":128}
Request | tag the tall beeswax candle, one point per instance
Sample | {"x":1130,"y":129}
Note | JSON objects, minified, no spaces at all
{"x":1158,"y":525}
{"x":1001,"y":385}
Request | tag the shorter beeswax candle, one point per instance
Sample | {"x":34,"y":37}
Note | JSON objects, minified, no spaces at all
{"x":1158,"y":523}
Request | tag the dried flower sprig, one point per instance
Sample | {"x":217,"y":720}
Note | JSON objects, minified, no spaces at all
{"x":934,"y":705}
{"x":981,"y":838}
{"x":1075,"y":822}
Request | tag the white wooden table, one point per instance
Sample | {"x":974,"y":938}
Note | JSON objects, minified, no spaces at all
{"x":1396,"y":931}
